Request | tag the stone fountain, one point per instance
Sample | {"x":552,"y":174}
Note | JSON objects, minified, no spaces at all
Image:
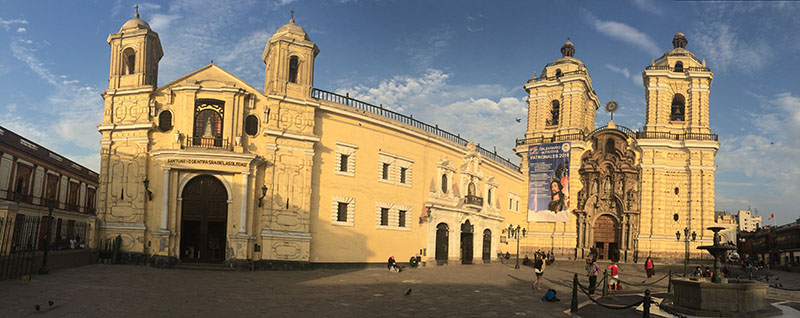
{"x":719,"y":296}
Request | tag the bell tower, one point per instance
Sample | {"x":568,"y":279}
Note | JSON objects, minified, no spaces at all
{"x":677,"y":87}
{"x":562,"y":100}
{"x":289,"y":58}
{"x":135,"y":53}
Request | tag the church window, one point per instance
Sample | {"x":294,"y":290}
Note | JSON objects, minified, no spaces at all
{"x":294,"y":64}
{"x":384,"y":216}
{"x":345,"y":159}
{"x":343,"y":162}
{"x":385,"y":171}
{"x":555,"y":112}
{"x":471,"y":189}
{"x":165,"y":121}
{"x":401,"y":218}
{"x":251,"y":125}
{"x":678,"y":108}
{"x":341,"y":212}
{"x":610,"y":145}
{"x":130,"y":61}
{"x":403,"y":175}
{"x":679,"y":67}
{"x":559,"y":73}
{"x":208,"y":123}
{"x":489,"y":197}
{"x":444,"y":183}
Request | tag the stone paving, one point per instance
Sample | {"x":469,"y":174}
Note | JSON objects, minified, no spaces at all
{"x":484,"y":290}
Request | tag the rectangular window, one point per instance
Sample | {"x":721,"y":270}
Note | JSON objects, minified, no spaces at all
{"x":385,"y":171}
{"x":517,"y":209}
{"x":384,"y":216}
{"x":403,"y":175}
{"x":343,"y":162}
{"x":341,"y":213}
{"x":401,"y":218}
{"x":510,"y":204}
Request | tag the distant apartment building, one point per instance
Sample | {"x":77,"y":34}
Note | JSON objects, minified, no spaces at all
{"x":747,"y":221}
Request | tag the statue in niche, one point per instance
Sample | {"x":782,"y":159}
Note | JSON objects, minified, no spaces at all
{"x":207,"y":128}
{"x":595,"y":185}
{"x":607,"y":186}
{"x":632,"y":199}
{"x":619,"y":185}
{"x":581,"y":199}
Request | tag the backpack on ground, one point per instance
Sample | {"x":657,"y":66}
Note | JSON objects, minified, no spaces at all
{"x":550,"y":296}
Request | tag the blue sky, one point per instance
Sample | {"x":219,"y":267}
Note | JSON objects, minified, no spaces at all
{"x":458,"y":64}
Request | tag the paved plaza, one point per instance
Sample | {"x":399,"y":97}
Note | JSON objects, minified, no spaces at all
{"x":484,"y":290}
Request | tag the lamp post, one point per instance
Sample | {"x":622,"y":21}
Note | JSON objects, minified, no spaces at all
{"x":263,"y":194}
{"x":516,"y":233}
{"x":50,"y":205}
{"x":686,"y":240}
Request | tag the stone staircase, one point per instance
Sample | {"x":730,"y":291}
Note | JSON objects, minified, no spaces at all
{"x":203,"y":267}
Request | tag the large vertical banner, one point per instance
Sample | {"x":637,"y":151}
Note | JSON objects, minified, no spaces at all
{"x":548,"y":182}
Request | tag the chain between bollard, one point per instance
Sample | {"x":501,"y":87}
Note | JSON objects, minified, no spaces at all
{"x":669,"y":284}
{"x":646,"y":304}
{"x":574,"y":305}
{"x":605,"y":282}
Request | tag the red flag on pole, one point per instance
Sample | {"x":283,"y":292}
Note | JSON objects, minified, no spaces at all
{"x":771,"y":216}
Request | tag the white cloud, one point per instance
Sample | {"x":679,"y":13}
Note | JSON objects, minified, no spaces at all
{"x":161,"y":22}
{"x":475,"y":111}
{"x":622,"y":32}
{"x":72,"y":111}
{"x":722,"y":45}
{"x":6,"y":24}
{"x":21,"y":30}
{"x":422,"y":50}
{"x":648,"y":5}
{"x":765,"y":155}
{"x":620,"y":70}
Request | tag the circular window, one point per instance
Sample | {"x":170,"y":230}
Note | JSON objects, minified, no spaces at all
{"x":677,"y":190}
{"x":251,"y":125}
{"x":165,"y":120}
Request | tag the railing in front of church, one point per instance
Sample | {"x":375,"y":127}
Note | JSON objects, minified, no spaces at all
{"x":669,"y":68}
{"x":408,"y":120}
{"x":671,"y":136}
{"x":207,"y":142}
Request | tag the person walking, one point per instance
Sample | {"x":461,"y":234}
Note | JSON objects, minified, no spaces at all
{"x":538,"y":268}
{"x":649,"y":267}
{"x":613,"y":282}
{"x":593,"y":270}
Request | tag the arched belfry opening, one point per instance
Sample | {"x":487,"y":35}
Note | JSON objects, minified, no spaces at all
{"x":129,"y":60}
{"x":678,"y":109}
{"x":608,"y":203}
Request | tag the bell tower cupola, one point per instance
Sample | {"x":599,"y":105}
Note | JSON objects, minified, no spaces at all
{"x":677,"y":87}
{"x":135,"y":53}
{"x":562,"y":100}
{"x":289,"y":58}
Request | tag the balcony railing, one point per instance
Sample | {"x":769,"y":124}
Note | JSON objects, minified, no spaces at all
{"x":207,"y":142}
{"x":473,"y":200}
{"x":670,"y":68}
{"x":408,"y":120}
{"x":625,"y":130}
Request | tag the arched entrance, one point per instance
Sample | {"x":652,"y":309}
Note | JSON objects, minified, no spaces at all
{"x":442,"y":240}
{"x":487,"y":246}
{"x":466,"y":243}
{"x":204,"y":216}
{"x":606,"y":233}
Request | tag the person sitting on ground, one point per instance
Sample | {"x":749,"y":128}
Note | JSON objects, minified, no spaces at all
{"x":698,"y":271}
{"x":707,"y":273}
{"x":391,"y":264}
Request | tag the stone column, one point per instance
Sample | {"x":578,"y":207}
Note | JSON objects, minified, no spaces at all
{"x":165,"y":184}
{"x":243,"y":208}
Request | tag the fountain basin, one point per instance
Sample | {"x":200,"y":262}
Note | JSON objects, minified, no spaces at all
{"x":743,"y":298}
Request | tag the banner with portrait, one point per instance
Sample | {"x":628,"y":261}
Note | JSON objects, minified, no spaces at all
{"x":548,"y":182}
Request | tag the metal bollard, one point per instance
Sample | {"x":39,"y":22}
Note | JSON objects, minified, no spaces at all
{"x":574,"y":305}
{"x":669,"y":284}
{"x":605,"y":282}
{"x":646,"y":304}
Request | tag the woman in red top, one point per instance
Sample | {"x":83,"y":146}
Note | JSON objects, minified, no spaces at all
{"x":649,"y":267}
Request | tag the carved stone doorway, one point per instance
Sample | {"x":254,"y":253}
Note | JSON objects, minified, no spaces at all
{"x":204,"y":216}
{"x":606,"y":234}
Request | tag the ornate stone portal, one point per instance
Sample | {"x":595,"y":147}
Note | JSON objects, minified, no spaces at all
{"x":608,"y":205}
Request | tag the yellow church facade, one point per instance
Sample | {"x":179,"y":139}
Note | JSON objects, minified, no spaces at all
{"x":207,"y":168}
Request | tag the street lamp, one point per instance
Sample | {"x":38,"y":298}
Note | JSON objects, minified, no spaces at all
{"x":263,"y":194}
{"x":686,"y":240}
{"x":516,"y":233}
{"x":50,"y":205}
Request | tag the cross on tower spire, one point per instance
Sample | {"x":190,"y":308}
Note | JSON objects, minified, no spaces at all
{"x":292,"y":11}
{"x":137,"y":11}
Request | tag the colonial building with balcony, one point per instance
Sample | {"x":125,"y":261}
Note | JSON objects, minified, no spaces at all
{"x":32,"y":175}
